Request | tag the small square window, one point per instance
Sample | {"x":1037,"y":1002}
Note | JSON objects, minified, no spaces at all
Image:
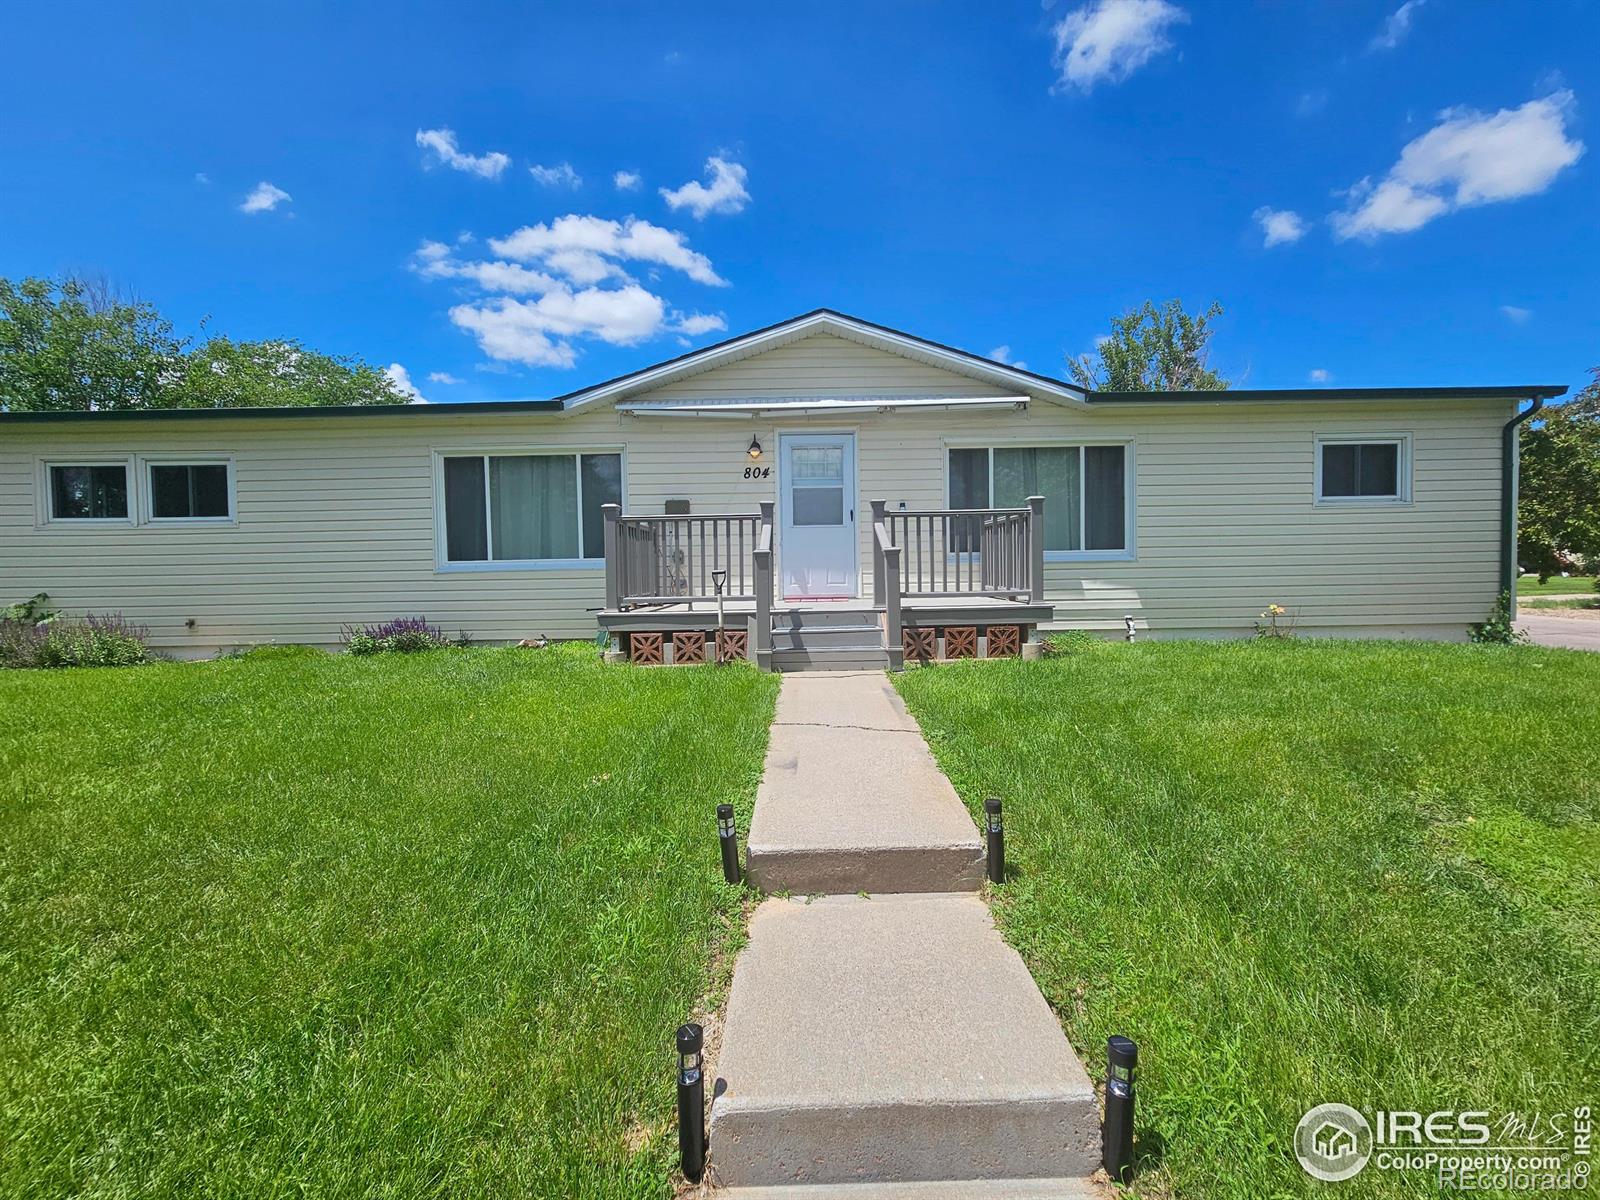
{"x":189,"y":492}
{"x":90,"y":493}
{"x":1362,"y":470}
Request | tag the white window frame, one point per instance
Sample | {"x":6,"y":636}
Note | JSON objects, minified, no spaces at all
{"x":45,"y":493}
{"x":147,"y":489}
{"x":1402,"y":482}
{"x":1129,"y":489}
{"x":441,"y":540}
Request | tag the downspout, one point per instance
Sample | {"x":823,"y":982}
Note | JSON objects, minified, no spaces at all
{"x":1508,"y":499}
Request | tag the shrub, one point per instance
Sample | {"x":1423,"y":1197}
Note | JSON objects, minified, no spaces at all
{"x":1498,"y":630}
{"x":108,"y":641}
{"x":21,"y":642}
{"x":406,"y":635}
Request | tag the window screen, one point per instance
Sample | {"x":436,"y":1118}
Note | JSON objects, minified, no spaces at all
{"x":89,"y":493}
{"x":179,"y":492}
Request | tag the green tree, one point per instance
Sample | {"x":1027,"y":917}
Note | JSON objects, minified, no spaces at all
{"x":278,"y":374}
{"x":72,"y":345}
{"x":76,"y":345}
{"x":1153,"y":350}
{"x":1558,"y":509}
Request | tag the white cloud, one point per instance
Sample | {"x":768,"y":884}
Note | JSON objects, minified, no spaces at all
{"x":1321,"y":375}
{"x":1309,"y":104}
{"x":264,"y":198}
{"x":1111,"y":39}
{"x":1002,"y":354}
{"x":577,"y":247}
{"x":401,"y":379}
{"x":533,"y":332}
{"x":724,"y":194}
{"x":560,"y":175}
{"x":442,"y":144}
{"x":627,"y":181}
{"x":1396,"y":27}
{"x":1469,"y":158}
{"x":201,"y":177}
{"x":442,"y":377}
{"x":565,"y":281}
{"x":694,"y":324}
{"x":1279,"y":226}
{"x":1516,"y":315}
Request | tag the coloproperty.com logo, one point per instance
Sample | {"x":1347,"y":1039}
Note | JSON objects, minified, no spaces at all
{"x":1465,"y":1150}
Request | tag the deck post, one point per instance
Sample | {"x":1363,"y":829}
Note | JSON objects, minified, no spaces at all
{"x":761,"y":635}
{"x":1036,"y":549}
{"x":878,"y":507}
{"x":893,"y":642}
{"x":609,"y":514}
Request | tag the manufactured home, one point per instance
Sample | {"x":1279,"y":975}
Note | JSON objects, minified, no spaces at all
{"x":825,"y":491}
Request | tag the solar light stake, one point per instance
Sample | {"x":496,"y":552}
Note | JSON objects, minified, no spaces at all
{"x":1122,"y":1057}
{"x":1128,"y":624}
{"x":996,"y":834}
{"x":728,"y":835}
{"x":691,"y":1104}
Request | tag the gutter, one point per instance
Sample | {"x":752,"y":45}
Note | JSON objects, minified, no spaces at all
{"x":1508,"y":499}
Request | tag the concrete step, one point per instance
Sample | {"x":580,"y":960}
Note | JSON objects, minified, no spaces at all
{"x":949,"y":1189}
{"x":827,"y":637}
{"x":851,"y":800}
{"x":830,"y":658}
{"x":893,"y":1040}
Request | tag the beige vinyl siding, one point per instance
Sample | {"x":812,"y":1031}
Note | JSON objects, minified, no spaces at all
{"x":335,"y":515}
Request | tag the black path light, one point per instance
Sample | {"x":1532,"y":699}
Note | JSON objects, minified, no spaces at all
{"x":691,"y":1103}
{"x":995,"y":831}
{"x":1122,"y":1059}
{"x":728,"y":835}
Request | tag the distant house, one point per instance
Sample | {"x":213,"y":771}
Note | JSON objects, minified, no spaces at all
{"x":1009,"y":500}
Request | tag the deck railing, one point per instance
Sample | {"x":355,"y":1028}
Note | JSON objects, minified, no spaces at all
{"x":995,"y":552}
{"x":675,"y":559}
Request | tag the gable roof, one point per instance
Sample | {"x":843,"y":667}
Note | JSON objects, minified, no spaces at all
{"x":1004,"y":377}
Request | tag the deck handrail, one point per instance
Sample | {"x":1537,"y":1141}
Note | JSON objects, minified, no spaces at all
{"x":674,"y":559}
{"x":996,"y":552}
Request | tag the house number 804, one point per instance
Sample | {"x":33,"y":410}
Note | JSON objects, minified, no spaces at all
{"x":758,"y":472}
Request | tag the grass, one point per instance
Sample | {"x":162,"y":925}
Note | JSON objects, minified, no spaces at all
{"x":1556,"y":585}
{"x":1584,"y":603}
{"x":1298,"y":872}
{"x":307,"y":925}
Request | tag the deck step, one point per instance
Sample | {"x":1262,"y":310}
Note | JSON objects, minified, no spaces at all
{"x":817,"y":618}
{"x":840,"y":658}
{"x":827,"y":637}
{"x":851,"y":800}
{"x":893,"y":1040}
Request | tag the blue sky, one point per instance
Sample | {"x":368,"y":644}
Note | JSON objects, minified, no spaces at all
{"x":362,"y":177}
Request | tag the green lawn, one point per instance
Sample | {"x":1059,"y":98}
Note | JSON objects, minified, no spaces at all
{"x":1298,"y":872}
{"x":1585,"y":602}
{"x":1556,"y":585}
{"x":323,"y":926}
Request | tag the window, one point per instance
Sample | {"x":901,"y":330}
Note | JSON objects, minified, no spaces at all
{"x":528,"y":507}
{"x":1362,"y":470}
{"x":1085,"y":490}
{"x":189,"y":492}
{"x":89,"y":493}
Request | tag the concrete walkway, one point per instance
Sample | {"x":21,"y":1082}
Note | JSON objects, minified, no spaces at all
{"x":852,"y":801}
{"x":887,"y":1044}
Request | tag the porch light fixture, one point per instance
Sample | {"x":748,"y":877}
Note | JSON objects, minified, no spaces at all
{"x":755,"y":448}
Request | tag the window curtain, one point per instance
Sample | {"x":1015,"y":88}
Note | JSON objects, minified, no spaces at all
{"x":1105,"y":498}
{"x":602,"y":484}
{"x":466,"y":524}
{"x":533,"y":506}
{"x":1048,"y":471}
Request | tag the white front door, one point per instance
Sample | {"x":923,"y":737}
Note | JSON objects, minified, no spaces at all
{"x":817,"y":514}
